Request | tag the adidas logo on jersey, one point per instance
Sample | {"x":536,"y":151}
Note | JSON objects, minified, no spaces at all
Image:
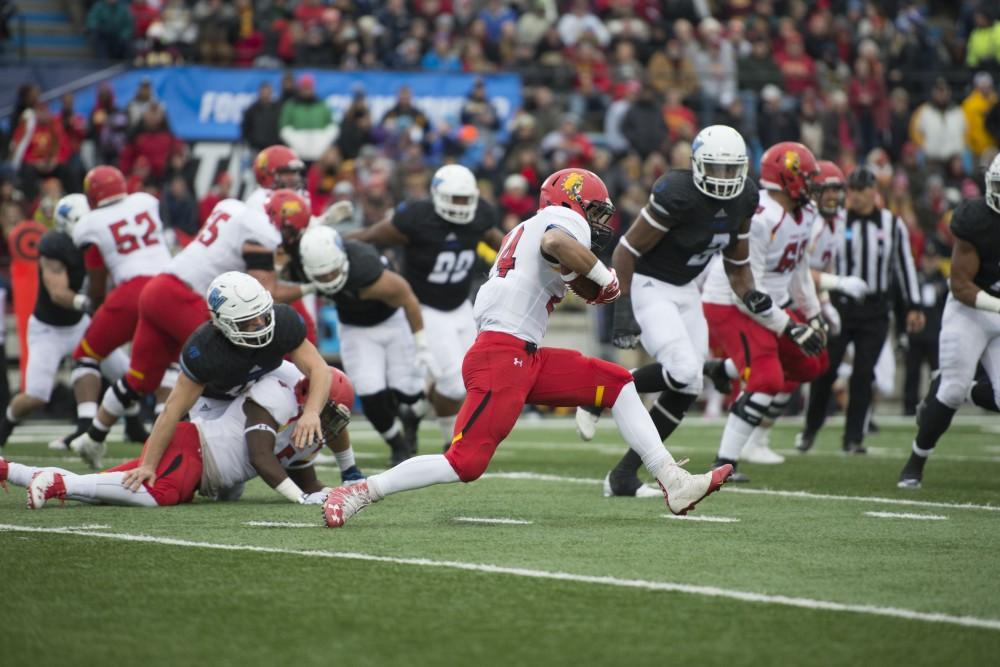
{"x":721,"y":213}
{"x":452,"y":236}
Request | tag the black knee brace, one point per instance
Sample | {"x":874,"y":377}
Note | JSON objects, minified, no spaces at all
{"x":749,"y":410}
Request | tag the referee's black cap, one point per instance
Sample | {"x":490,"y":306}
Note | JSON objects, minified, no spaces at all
{"x":861,"y":178}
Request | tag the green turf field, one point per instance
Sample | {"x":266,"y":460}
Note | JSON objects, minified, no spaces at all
{"x":777,"y":579}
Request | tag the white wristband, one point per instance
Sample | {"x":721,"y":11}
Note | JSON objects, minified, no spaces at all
{"x":420,"y":338}
{"x":986,"y":302}
{"x":600,"y":274}
{"x":81,"y":302}
{"x":290,"y":490}
{"x":828,"y":281}
{"x":308,"y":288}
{"x":569,"y":277}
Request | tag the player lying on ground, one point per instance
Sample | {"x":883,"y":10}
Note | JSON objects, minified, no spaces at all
{"x":216,"y":457}
{"x":970,"y":333}
{"x":505,"y":369}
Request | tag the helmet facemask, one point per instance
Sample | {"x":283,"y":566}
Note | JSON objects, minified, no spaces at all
{"x":598,"y":215}
{"x":993,"y":186}
{"x":720,"y":178}
{"x":455,"y":195}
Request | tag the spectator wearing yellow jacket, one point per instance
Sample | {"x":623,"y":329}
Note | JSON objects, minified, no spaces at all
{"x":976,"y":106}
{"x":983,"y":48}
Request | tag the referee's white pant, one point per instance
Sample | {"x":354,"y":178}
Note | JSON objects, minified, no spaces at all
{"x":968,"y":336}
{"x":48,"y":345}
{"x":381,"y":357}
{"x":450,"y":333}
{"x":674,"y":330}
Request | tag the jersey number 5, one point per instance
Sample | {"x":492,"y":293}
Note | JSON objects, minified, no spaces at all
{"x":126,"y":242}
{"x":451,"y":267}
{"x":506,"y":259}
{"x":210,"y":231}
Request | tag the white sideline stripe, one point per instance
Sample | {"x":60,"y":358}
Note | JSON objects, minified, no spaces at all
{"x":806,"y":495}
{"x":661,"y":586}
{"x":280,"y":524}
{"x":506,"y":522}
{"x":707,"y":519}
{"x":907,"y":515}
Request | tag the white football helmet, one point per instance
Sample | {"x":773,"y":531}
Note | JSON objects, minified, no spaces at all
{"x":69,"y":209}
{"x":324,"y":259}
{"x":719,"y":162}
{"x":993,"y":185}
{"x":236,"y":301}
{"x":455,"y":194}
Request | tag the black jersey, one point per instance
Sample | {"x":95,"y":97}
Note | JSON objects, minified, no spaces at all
{"x":439,"y":258}
{"x":701,"y":226}
{"x":225,"y":369}
{"x":974,"y":221}
{"x":365,"y":267}
{"x":59,"y":246}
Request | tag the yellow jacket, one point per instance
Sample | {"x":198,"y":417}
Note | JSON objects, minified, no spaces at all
{"x":983,"y":45}
{"x":976,"y":106}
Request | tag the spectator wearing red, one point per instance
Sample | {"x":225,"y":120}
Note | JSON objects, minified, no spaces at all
{"x":516,"y":202}
{"x":681,"y":121}
{"x":38,"y":148}
{"x":568,"y":146}
{"x":797,"y":67}
{"x":220,"y":190}
{"x":152,"y":140}
{"x":249,"y":40}
{"x":143,"y":16}
{"x":321,"y":179}
{"x":869,"y":102}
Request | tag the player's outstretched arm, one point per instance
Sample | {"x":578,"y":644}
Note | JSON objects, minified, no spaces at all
{"x":180,"y":401}
{"x":308,"y":360}
{"x":393,"y":289}
{"x":382,"y":234}
{"x":56,"y":282}
{"x":493,"y":238}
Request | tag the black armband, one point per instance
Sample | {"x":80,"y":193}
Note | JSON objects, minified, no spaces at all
{"x":259,"y":261}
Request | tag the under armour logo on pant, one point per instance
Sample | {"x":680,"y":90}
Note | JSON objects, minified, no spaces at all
{"x":518,"y":362}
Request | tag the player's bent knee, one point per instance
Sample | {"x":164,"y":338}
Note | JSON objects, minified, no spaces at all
{"x":952,"y":394}
{"x":84,"y":367}
{"x":684,"y":378}
{"x":468,"y":466}
{"x":611,"y":378}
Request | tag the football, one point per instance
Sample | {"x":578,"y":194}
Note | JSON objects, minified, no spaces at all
{"x":582,"y":286}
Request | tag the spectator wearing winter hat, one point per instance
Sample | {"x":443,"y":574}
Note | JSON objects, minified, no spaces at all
{"x":516,"y":202}
{"x":306,"y":123}
{"x":154,"y":142}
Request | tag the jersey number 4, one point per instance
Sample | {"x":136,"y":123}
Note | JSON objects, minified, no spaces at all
{"x":127,"y":242}
{"x":506,"y":259}
{"x":451,"y":267}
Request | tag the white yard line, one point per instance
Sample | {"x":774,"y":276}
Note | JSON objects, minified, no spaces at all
{"x":706,"y":519}
{"x":505,"y":522}
{"x":281,"y":524}
{"x":907,"y":515}
{"x":641,"y":584}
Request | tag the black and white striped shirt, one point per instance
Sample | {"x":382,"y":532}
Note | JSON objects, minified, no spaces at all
{"x":876,"y":248}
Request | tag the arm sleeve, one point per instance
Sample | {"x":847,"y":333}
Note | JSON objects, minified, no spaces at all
{"x":194,"y":364}
{"x":906,"y":271}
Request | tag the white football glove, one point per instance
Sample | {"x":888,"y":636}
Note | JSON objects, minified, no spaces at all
{"x":852,"y":286}
{"x":423,"y":358}
{"x":317,"y":498}
{"x":339,"y":212}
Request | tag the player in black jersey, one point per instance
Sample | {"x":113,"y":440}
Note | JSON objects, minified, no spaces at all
{"x":970,"y":332}
{"x":247,"y":338}
{"x":56,"y":326}
{"x":382,"y":342}
{"x":439,"y":237}
{"x":691,"y":216}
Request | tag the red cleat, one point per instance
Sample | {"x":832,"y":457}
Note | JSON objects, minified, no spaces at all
{"x":4,"y":467}
{"x":344,"y":502}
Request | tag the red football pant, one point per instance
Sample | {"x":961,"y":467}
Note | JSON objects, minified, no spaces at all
{"x":169,"y":312}
{"x":501,"y":375}
{"x":768,"y":363}
{"x":179,"y":474}
{"x":114,"y":322}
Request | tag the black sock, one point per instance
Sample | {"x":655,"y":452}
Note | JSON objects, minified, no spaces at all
{"x":914,"y":466}
{"x":649,"y":378}
{"x":983,"y":396}
{"x":668,"y":411}
{"x":380,"y":408}
{"x":934,"y":421}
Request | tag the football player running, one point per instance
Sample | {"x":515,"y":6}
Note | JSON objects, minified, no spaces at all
{"x":216,"y":457}
{"x":439,"y":237}
{"x":57,"y":324}
{"x":971,"y":331}
{"x":381,"y":330}
{"x":235,"y":237}
{"x":692,"y":215}
{"x":505,"y":368}
{"x":776,"y":350}
{"x":247,"y":338}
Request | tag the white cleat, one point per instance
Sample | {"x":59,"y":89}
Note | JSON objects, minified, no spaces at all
{"x":91,"y":451}
{"x":586,"y":424}
{"x":344,"y":502}
{"x":58,"y":445}
{"x":683,"y":490}
{"x":758,"y":449}
{"x":45,"y":485}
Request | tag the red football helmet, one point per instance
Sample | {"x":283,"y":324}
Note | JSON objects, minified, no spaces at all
{"x":790,"y":168}
{"x":584,"y":192}
{"x":278,"y":167}
{"x":289,"y":212}
{"x":104,"y":185}
{"x":829,"y":188}
{"x":336,"y":413}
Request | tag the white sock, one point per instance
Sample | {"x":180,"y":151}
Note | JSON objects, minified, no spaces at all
{"x":447,"y":425}
{"x":86,"y":410}
{"x":760,"y":434}
{"x":738,"y":430}
{"x":345,"y":459}
{"x":637,"y":427}
{"x":106,"y":488}
{"x":415,"y":473}
{"x":13,"y":420}
{"x":20,"y":475}
{"x":731,"y":370}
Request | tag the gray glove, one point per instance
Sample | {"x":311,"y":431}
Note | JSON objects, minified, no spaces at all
{"x":625,"y":333}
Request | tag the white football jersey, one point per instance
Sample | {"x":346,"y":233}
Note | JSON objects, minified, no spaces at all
{"x":255,"y":200}
{"x":223,"y":447}
{"x":219,"y":245}
{"x":523,"y":286}
{"x":129,"y":236}
{"x":778,"y":245}
{"x":823,"y":245}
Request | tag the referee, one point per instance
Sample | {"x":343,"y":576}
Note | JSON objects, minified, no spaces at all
{"x":875,"y":247}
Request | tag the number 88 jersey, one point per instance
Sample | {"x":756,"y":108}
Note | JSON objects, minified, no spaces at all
{"x":129,"y":236}
{"x":440,"y":255}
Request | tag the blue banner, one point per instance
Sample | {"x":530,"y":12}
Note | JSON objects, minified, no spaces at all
{"x":207,"y":103}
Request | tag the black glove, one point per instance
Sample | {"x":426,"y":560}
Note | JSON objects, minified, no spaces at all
{"x":625,"y":334}
{"x":811,"y":341}
{"x":819,"y":323}
{"x":757,"y":302}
